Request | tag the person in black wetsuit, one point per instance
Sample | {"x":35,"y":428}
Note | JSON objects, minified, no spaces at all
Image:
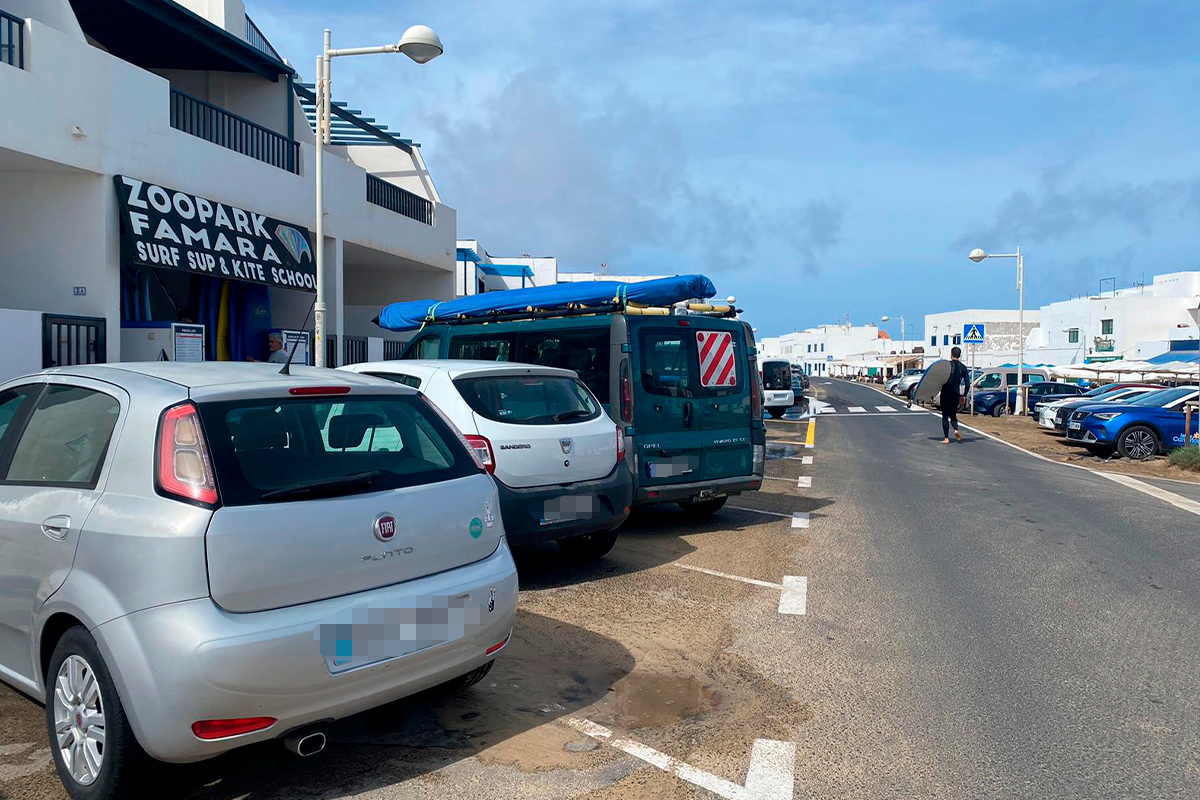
{"x":951,"y":394}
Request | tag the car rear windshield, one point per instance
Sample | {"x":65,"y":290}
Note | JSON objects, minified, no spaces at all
{"x":529,"y":399}
{"x":777,"y":375}
{"x":272,"y":450}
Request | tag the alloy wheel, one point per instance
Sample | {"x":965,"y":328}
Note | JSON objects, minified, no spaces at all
{"x":1139,"y":445}
{"x":79,"y":719}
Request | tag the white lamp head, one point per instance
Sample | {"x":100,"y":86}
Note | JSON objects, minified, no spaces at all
{"x":420,"y":44}
{"x":977,"y":255}
{"x":884,"y":318}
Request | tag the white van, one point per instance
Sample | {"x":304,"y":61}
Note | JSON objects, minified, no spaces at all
{"x":1001,"y":378}
{"x":778,"y":395}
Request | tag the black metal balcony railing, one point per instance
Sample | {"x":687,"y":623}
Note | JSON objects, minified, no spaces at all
{"x":255,"y":38}
{"x":12,"y":40}
{"x":214,"y":124}
{"x":393,"y":198}
{"x":392,"y":350}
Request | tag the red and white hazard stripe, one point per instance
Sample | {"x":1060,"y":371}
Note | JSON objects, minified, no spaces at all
{"x":717,"y":362}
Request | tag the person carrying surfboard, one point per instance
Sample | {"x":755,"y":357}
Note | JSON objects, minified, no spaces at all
{"x":951,"y":394}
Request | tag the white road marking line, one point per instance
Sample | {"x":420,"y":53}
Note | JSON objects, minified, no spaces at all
{"x":856,"y":410}
{"x":804,"y":482}
{"x":794,"y":597}
{"x":1179,"y":501}
{"x":769,"y":478}
{"x":806,"y":459}
{"x":881,"y":414}
{"x":780,"y":441}
{"x":760,"y":511}
{"x":715,"y":574}
{"x":886,"y":409}
{"x":771,"y":775}
{"x":791,"y":458}
{"x":830,"y":410}
{"x":800,"y":519}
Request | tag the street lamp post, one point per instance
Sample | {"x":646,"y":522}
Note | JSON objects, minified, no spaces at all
{"x":903,"y":361}
{"x":978,"y":255}
{"x":420,"y":44}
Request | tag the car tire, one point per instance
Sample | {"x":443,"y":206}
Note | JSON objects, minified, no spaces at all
{"x":1100,"y":450}
{"x":1138,"y":443}
{"x":1000,"y":409}
{"x":776,"y":413}
{"x":111,"y":762}
{"x":469,"y":679}
{"x":588,"y":547}
{"x":704,"y":508}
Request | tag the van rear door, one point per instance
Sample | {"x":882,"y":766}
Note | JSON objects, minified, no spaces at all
{"x":725,"y":400}
{"x":666,"y":386}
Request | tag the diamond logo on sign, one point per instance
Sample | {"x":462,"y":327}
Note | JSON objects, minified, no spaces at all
{"x":973,"y":333}
{"x":717,"y":363}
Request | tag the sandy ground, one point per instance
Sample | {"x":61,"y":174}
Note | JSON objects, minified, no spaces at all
{"x":1026,"y":433}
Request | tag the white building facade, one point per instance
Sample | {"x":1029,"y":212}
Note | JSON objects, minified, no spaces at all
{"x":152,"y":150}
{"x":1002,"y":335}
{"x":815,"y":349}
{"x":477,"y":271}
{"x":1134,"y":323}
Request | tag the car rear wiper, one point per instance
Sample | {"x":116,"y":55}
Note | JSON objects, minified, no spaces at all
{"x":575,"y":413}
{"x":323,"y":485}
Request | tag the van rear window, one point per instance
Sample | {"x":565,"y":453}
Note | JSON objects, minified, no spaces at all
{"x":777,"y":375}
{"x":276,"y":449}
{"x":584,"y":351}
{"x":529,"y":399}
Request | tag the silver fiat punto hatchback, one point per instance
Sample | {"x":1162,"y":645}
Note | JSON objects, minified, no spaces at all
{"x":194,"y":557}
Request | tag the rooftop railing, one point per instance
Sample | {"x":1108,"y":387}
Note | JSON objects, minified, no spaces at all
{"x":214,"y":124}
{"x":12,"y":40}
{"x":255,"y":38}
{"x":402,"y":201}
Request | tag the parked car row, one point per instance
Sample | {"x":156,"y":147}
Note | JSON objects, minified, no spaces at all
{"x":1134,"y":420}
{"x":196,"y":557}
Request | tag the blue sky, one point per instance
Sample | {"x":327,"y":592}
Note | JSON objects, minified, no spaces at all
{"x":812,"y":158}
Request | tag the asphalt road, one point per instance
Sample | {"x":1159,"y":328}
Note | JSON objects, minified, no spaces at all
{"x":977,"y":623}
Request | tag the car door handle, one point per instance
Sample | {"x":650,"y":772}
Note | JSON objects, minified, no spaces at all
{"x":687,"y":415}
{"x":57,"y":527}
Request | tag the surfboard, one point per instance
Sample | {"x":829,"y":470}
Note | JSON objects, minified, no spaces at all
{"x":932,"y":381}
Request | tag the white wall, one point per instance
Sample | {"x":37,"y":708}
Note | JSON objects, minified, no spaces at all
{"x":227,"y":14}
{"x":21,"y":352}
{"x":55,"y":13}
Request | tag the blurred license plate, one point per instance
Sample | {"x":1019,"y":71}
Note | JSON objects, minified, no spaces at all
{"x":565,"y":509}
{"x":370,"y":633}
{"x":1075,"y":425}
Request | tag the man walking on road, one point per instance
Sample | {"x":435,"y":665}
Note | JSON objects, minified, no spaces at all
{"x":951,"y":394}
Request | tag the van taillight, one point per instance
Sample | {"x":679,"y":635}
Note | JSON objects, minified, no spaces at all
{"x":756,"y":398}
{"x":626,"y":392}
{"x":620,"y":444}
{"x":481,"y":448}
{"x":184,"y":469}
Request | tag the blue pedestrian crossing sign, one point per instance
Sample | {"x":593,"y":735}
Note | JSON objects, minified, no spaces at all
{"x":973,"y":333}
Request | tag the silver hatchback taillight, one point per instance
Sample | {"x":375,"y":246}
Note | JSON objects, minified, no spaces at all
{"x":183,"y":467}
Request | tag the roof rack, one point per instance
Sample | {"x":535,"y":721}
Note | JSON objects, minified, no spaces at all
{"x":580,"y":310}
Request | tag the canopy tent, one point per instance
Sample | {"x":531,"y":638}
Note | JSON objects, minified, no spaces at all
{"x":598,"y":295}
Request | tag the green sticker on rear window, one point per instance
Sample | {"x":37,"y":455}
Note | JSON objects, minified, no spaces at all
{"x":476,"y":528}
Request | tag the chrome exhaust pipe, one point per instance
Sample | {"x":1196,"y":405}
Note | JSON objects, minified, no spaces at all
{"x":305,"y":743}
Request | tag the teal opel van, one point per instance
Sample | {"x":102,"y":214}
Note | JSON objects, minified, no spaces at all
{"x":684,"y":385}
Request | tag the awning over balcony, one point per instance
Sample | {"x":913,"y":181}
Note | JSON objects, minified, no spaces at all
{"x":506,"y":270}
{"x":161,"y":34}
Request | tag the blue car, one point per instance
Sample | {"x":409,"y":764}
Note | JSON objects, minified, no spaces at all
{"x":1140,"y":429}
{"x":997,"y":402}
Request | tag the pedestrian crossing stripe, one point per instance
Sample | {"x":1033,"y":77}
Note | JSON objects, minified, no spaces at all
{"x":857,"y":410}
{"x":885,"y":409}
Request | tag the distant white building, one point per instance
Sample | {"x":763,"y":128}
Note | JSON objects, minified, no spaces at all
{"x":575,"y":277}
{"x":478,"y":271}
{"x":815,"y":349}
{"x":1135,"y":323}
{"x":1002,"y":335}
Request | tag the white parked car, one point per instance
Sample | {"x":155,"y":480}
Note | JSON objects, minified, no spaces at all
{"x":557,"y":458}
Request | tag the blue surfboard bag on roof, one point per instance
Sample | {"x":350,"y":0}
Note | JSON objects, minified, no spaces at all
{"x":413,"y":314}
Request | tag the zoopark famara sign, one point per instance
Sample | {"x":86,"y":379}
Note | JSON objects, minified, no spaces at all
{"x":163,"y":227}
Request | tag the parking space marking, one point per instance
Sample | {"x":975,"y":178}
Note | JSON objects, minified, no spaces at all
{"x":1177,"y":500}
{"x":885,"y":409}
{"x":810,"y":438}
{"x":780,"y":441}
{"x":800,"y":519}
{"x":715,"y":574}
{"x":769,"y":478}
{"x":804,"y":482}
{"x":806,"y":459}
{"x":794,"y":597}
{"x":771,"y":775}
{"x":760,"y":511}
{"x":857,"y":410}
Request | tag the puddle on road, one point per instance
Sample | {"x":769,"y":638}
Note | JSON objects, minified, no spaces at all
{"x":776,"y":450}
{"x":807,"y":408}
{"x":648,"y":700}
